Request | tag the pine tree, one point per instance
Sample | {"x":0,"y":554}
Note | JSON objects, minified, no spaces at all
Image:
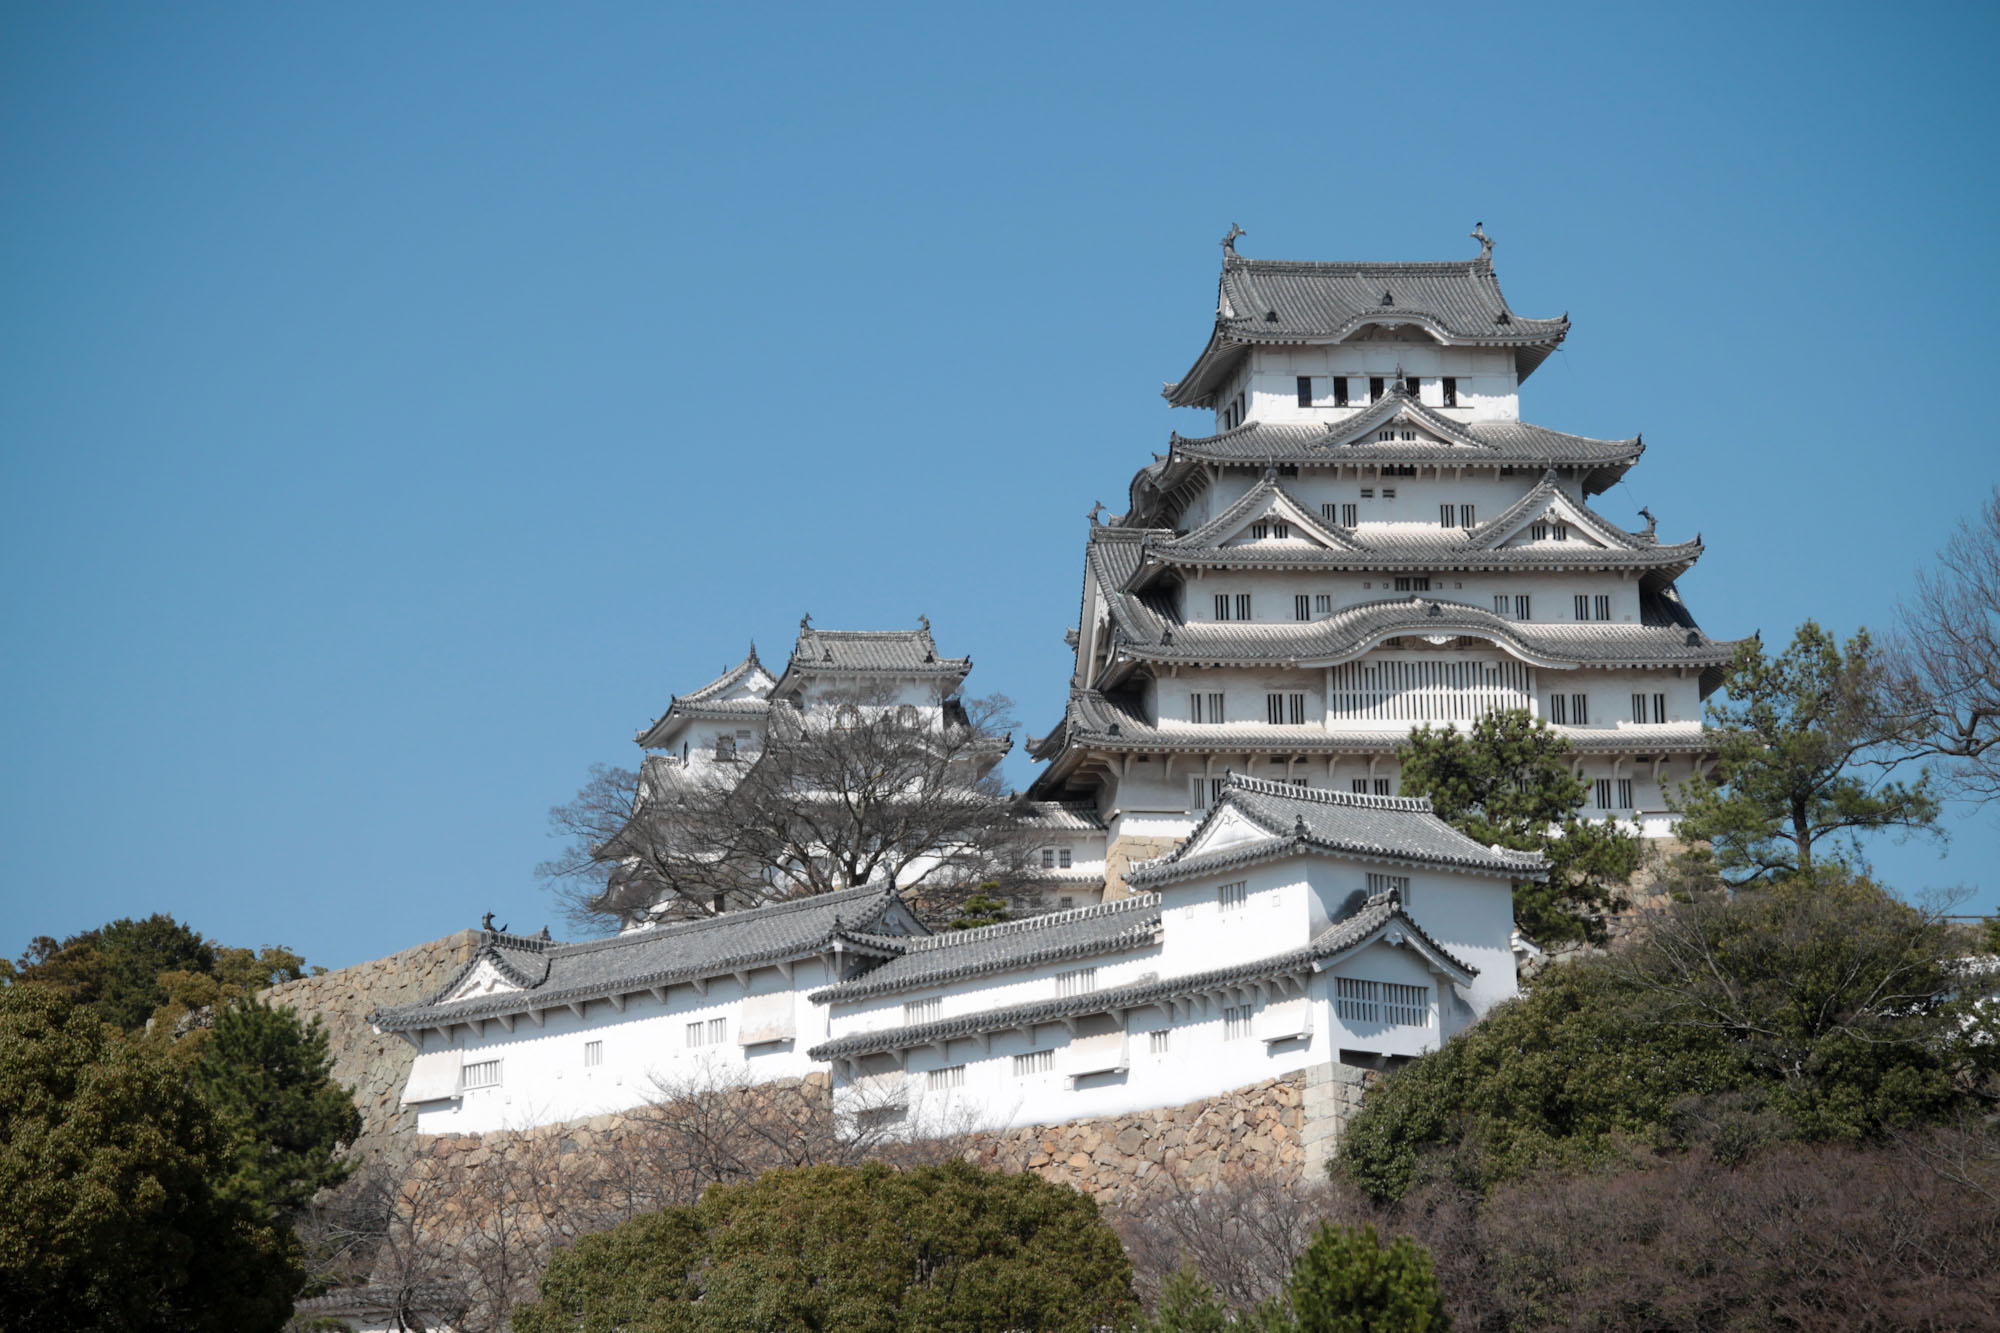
{"x":269,"y":1078}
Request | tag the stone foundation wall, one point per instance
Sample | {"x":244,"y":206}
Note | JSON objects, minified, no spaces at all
{"x":375,"y":1066}
{"x":1260,"y":1129}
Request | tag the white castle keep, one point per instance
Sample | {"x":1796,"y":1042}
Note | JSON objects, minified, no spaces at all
{"x":1370,"y":540}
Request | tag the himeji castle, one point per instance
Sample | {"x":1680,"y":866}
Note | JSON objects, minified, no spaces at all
{"x":1370,"y":539}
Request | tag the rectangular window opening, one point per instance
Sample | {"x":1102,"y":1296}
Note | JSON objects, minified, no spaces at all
{"x":483,"y":1074}
{"x":593,"y":1054}
{"x":1029,"y":1063}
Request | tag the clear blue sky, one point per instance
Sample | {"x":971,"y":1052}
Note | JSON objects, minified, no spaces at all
{"x":399,"y":403}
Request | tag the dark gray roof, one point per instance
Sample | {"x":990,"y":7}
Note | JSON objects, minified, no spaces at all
{"x":1375,"y":918}
{"x":1151,"y":633}
{"x":1398,"y":828}
{"x":1352,"y":441}
{"x":636,"y":960}
{"x":882,"y":654}
{"x":707,"y":702}
{"x":1278,"y":302}
{"x":1081,"y":932}
{"x":1316,"y":544}
{"x":386,"y":1300}
{"x":1060,"y":816}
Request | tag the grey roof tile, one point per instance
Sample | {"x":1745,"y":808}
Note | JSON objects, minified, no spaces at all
{"x":1060,"y":816}
{"x":1399,"y":545}
{"x":707,"y":702}
{"x":1278,"y":302}
{"x":1080,"y":932}
{"x":1398,"y":828}
{"x":621,"y":964}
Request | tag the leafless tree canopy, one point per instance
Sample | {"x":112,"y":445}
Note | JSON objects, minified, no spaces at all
{"x":873,"y":793}
{"x":1946,"y":658}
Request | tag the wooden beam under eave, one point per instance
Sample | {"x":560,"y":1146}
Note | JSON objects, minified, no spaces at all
{"x":700,"y":985}
{"x":617,"y":999}
{"x":536,"y":1014}
{"x":742,"y":976}
{"x":505,"y":1020}
{"x":578,"y":1007}
{"x":659,"y":993}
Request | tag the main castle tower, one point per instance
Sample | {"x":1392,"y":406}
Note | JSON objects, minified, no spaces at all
{"x":1370,"y":540}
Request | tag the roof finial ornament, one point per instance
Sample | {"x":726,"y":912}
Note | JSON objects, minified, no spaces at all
{"x":1229,"y":241}
{"x":924,"y":621}
{"x":1298,"y":826}
{"x":1652,"y":524}
{"x":805,"y":622}
{"x":486,"y":924}
{"x":1095,"y":510}
{"x":1485,"y":241}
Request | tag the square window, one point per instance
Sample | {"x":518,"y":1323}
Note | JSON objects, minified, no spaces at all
{"x":940,"y":1080}
{"x":1158,"y":1043}
{"x":1229,"y":897}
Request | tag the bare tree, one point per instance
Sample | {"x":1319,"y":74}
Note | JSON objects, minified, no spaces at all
{"x":860,"y":791}
{"x":1241,"y":1234}
{"x":1946,"y":659}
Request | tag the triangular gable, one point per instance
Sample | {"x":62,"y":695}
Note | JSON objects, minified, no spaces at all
{"x":1397,"y":410}
{"x":1401,"y":933}
{"x":1548,"y":504}
{"x":1270,"y":504}
{"x":485,"y":978}
{"x":1225,"y":830}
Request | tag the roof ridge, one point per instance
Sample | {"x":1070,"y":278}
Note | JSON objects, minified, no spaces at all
{"x":784,"y":908}
{"x":1318,"y":796}
{"x":1045,"y":921}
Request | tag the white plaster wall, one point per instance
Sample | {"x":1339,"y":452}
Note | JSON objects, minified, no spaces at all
{"x":544,"y":1078}
{"x":1552,"y":595}
{"x":1487,"y":386}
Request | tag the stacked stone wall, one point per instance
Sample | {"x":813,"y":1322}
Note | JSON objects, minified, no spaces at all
{"x":1120,"y":856}
{"x":376,"y":1064}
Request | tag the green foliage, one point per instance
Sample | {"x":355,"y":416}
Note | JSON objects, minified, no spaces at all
{"x":108,"y":1216}
{"x":981,"y":909}
{"x":1785,"y":793}
{"x":1187,"y":1305}
{"x":130,"y":971}
{"x":1818,"y":1010}
{"x":1348,"y":1281}
{"x":947,"y":1248}
{"x":115,"y":969}
{"x":269,"y":1078}
{"x":1508,"y":781}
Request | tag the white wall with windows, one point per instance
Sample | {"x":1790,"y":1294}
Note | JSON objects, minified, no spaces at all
{"x":603,"y":1056}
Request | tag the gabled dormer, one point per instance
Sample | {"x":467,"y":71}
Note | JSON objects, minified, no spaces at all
{"x":1550,"y":517}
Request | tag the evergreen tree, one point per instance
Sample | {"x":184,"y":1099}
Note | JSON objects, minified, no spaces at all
{"x":109,"y":1215}
{"x":941,"y":1249}
{"x":1790,"y":787}
{"x":115,"y":969}
{"x":1348,"y":1281}
{"x":269,"y":1078}
{"x":1508,"y":781}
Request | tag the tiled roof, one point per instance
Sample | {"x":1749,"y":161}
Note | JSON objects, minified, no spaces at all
{"x":387,"y":1301}
{"x":707,"y":702}
{"x":1277,"y":302}
{"x":1400,"y":828}
{"x":622,"y":964}
{"x":1318,"y":545}
{"x":1060,"y":816}
{"x":882,"y":654}
{"x":1376,"y":918}
{"x":1091,"y":716}
{"x":1009,"y":946}
{"x":1150,"y":634}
